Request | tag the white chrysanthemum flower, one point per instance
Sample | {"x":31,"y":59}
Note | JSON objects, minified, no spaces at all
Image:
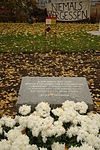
{"x":43,"y":109}
{"x":1,"y":130}
{"x":17,"y":118}
{"x":35,"y":132}
{"x":57,"y":146}
{"x":68,"y":116}
{"x":20,"y":143}
{"x":57,"y":112}
{"x":32,"y":120}
{"x":82,"y":134}
{"x":93,"y":141}
{"x":34,"y":147}
{"x":95,"y":117}
{"x":5,"y":145}
{"x":44,"y":138}
{"x":23,"y":121}
{"x":24,"y":147}
{"x":93,"y":128}
{"x":13,"y":134}
{"x":47,"y":123}
{"x":82,"y":107}
{"x":35,"y":124}
{"x":89,"y":125}
{"x":72,"y":131}
{"x":42,"y":148}
{"x":77,"y":119}
{"x":68,"y":104}
{"x":24,"y":110}
{"x":8,"y":121}
{"x":86,"y":127}
{"x":1,"y":122}
{"x":58,"y":125}
{"x":55,"y":129}
{"x":90,"y":139}
{"x":83,"y":147}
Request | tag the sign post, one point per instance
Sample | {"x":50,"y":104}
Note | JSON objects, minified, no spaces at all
{"x":50,"y":21}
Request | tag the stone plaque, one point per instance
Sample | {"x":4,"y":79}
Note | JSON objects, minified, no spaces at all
{"x":54,"y":90}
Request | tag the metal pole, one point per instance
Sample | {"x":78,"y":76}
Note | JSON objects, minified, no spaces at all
{"x":55,"y":37}
{"x":45,"y":38}
{"x":55,"y":40}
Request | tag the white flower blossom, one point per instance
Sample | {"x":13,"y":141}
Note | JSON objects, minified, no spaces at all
{"x":1,"y":130}
{"x":23,"y":147}
{"x":13,"y":134}
{"x":35,"y":124}
{"x":93,"y":141}
{"x":85,"y":127}
{"x":81,"y":107}
{"x":1,"y":122}
{"x":68,"y":116}
{"x":89,"y":125}
{"x":5,"y":145}
{"x":83,"y":147}
{"x":23,"y":121}
{"x":20,"y":143}
{"x":55,"y":129}
{"x":95,"y":118}
{"x":59,"y":129}
{"x":77,"y":120}
{"x":57,"y":146}
{"x":34,"y":147}
{"x":42,"y":148}
{"x":47,"y":123}
{"x":82,"y":135}
{"x":72,"y":131}
{"x":90,"y":139}
{"x":24,"y":110}
{"x":57,"y":112}
{"x":8,"y":121}
{"x":17,"y":118}
{"x":68,"y":104}
{"x":43,"y":109}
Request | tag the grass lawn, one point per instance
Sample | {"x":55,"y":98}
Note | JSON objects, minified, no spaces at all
{"x":28,"y":38}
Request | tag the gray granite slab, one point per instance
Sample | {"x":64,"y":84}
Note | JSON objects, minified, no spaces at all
{"x":54,"y":90}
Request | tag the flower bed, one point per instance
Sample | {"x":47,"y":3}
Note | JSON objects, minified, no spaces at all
{"x":51,"y":129}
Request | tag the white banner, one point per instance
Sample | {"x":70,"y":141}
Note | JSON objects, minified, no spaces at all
{"x":69,"y":10}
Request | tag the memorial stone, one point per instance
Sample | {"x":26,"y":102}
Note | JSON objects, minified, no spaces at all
{"x":54,"y":90}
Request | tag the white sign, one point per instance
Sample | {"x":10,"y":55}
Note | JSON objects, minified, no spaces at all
{"x":48,"y":21}
{"x":69,"y":10}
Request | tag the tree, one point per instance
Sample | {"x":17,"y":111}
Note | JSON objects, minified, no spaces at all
{"x":22,"y":11}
